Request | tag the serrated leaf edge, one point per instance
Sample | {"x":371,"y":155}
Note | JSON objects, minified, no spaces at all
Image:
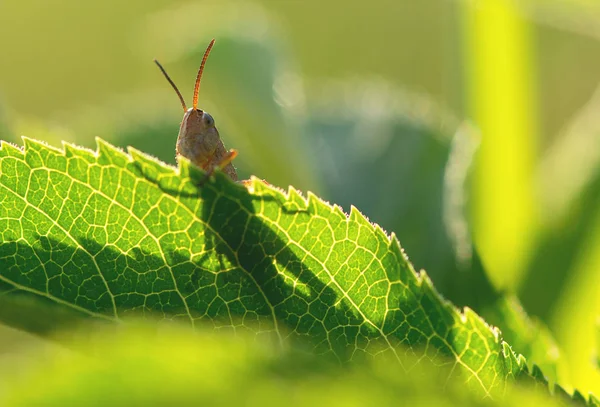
{"x":258,"y":187}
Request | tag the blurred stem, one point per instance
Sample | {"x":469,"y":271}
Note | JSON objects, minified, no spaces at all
{"x":499,"y":68}
{"x":575,"y":319}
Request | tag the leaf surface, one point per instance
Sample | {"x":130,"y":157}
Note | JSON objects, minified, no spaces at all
{"x":168,"y":367}
{"x":110,"y":235}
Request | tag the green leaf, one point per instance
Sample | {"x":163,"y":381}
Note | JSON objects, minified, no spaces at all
{"x":110,"y":235}
{"x":174,"y":366}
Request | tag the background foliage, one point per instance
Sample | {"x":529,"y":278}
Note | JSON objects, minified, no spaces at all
{"x":471,"y":133}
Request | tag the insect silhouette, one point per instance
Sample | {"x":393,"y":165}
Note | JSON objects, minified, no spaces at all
{"x":198,"y":138}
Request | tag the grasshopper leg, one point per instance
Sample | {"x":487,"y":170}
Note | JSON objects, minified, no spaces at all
{"x":225,"y":161}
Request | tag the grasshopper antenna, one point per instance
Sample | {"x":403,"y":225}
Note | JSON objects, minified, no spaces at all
{"x":197,"y":88}
{"x":172,"y":84}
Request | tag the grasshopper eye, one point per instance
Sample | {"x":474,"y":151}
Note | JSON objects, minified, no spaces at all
{"x":208,"y":120}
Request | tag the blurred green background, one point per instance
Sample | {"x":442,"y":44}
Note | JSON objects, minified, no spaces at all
{"x":470,"y":129}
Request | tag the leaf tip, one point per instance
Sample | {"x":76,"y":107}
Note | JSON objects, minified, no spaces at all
{"x":8,"y":147}
{"x":37,"y":145}
{"x":71,"y":149}
{"x":140,"y":156}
